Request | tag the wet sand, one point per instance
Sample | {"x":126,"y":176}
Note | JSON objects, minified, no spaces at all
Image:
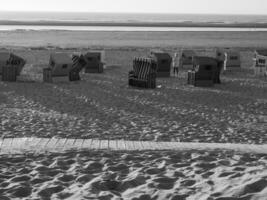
{"x":92,"y":39}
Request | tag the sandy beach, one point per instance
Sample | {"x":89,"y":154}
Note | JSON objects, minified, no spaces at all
{"x":137,"y":175}
{"x":102,"y":106}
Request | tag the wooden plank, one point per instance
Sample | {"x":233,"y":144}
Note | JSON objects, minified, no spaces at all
{"x":68,"y":144}
{"x":27,"y":146}
{"x":16,"y":144}
{"x":6,"y":143}
{"x":113,"y":144}
{"x":121,"y":145}
{"x":78,"y":143}
{"x":161,"y":146}
{"x":152,"y":145}
{"x":87,"y":144}
{"x":95,"y":144}
{"x":51,"y":144}
{"x":36,"y":142}
{"x":43,"y":142}
{"x":133,"y":145}
{"x":1,"y":142}
{"x":138,"y":145}
{"x":129,"y":146}
{"x":146,"y":145}
{"x":61,"y":143}
{"x":104,"y":144}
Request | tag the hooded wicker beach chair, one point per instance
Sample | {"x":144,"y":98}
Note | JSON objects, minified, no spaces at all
{"x":94,"y":62}
{"x":205,"y":72}
{"x":186,"y":58}
{"x":260,"y":63}
{"x":60,"y":65}
{"x":11,"y":66}
{"x":230,"y":57}
{"x":164,"y":61}
{"x":143,"y":73}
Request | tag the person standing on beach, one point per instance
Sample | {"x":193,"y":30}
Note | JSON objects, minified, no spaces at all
{"x":175,"y":64}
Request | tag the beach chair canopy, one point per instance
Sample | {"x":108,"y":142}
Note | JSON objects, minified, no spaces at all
{"x":202,"y":64}
{"x":163,"y":61}
{"x":93,"y":58}
{"x":60,"y":63}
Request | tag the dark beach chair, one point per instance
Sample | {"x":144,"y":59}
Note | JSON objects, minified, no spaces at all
{"x":164,"y":61}
{"x":205,"y":72}
{"x":94,"y":62}
{"x":143,"y":73}
{"x":11,"y":66}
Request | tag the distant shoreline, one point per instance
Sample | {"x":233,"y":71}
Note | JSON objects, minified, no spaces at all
{"x":135,"y":24}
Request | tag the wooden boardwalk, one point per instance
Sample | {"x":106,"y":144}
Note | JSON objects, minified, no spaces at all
{"x":39,"y":145}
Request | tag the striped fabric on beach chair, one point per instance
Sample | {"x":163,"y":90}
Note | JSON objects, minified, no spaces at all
{"x":144,"y":73}
{"x":77,"y":66}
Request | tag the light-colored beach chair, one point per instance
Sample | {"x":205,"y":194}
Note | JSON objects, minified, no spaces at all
{"x":60,"y":65}
{"x":260,"y":63}
{"x":230,"y":57}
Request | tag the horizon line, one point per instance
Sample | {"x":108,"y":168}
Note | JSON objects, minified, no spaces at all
{"x":111,"y":12}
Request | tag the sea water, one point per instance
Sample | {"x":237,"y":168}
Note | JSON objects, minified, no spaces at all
{"x":129,"y":18}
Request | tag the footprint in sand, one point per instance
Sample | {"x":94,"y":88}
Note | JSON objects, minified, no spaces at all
{"x":133,"y":182}
{"x":153,"y":170}
{"x":48,"y":192}
{"x":224,"y":174}
{"x":122,"y":168}
{"x":21,"y":191}
{"x":164,"y":183}
{"x":93,"y":167}
{"x":188,"y":182}
{"x":21,"y":178}
{"x":84,"y":178}
{"x":66,"y":178}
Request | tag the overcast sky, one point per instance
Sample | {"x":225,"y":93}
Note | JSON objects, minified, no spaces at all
{"x":145,"y":6}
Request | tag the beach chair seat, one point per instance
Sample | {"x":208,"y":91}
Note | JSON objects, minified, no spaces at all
{"x":9,"y":73}
{"x":143,"y":74}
